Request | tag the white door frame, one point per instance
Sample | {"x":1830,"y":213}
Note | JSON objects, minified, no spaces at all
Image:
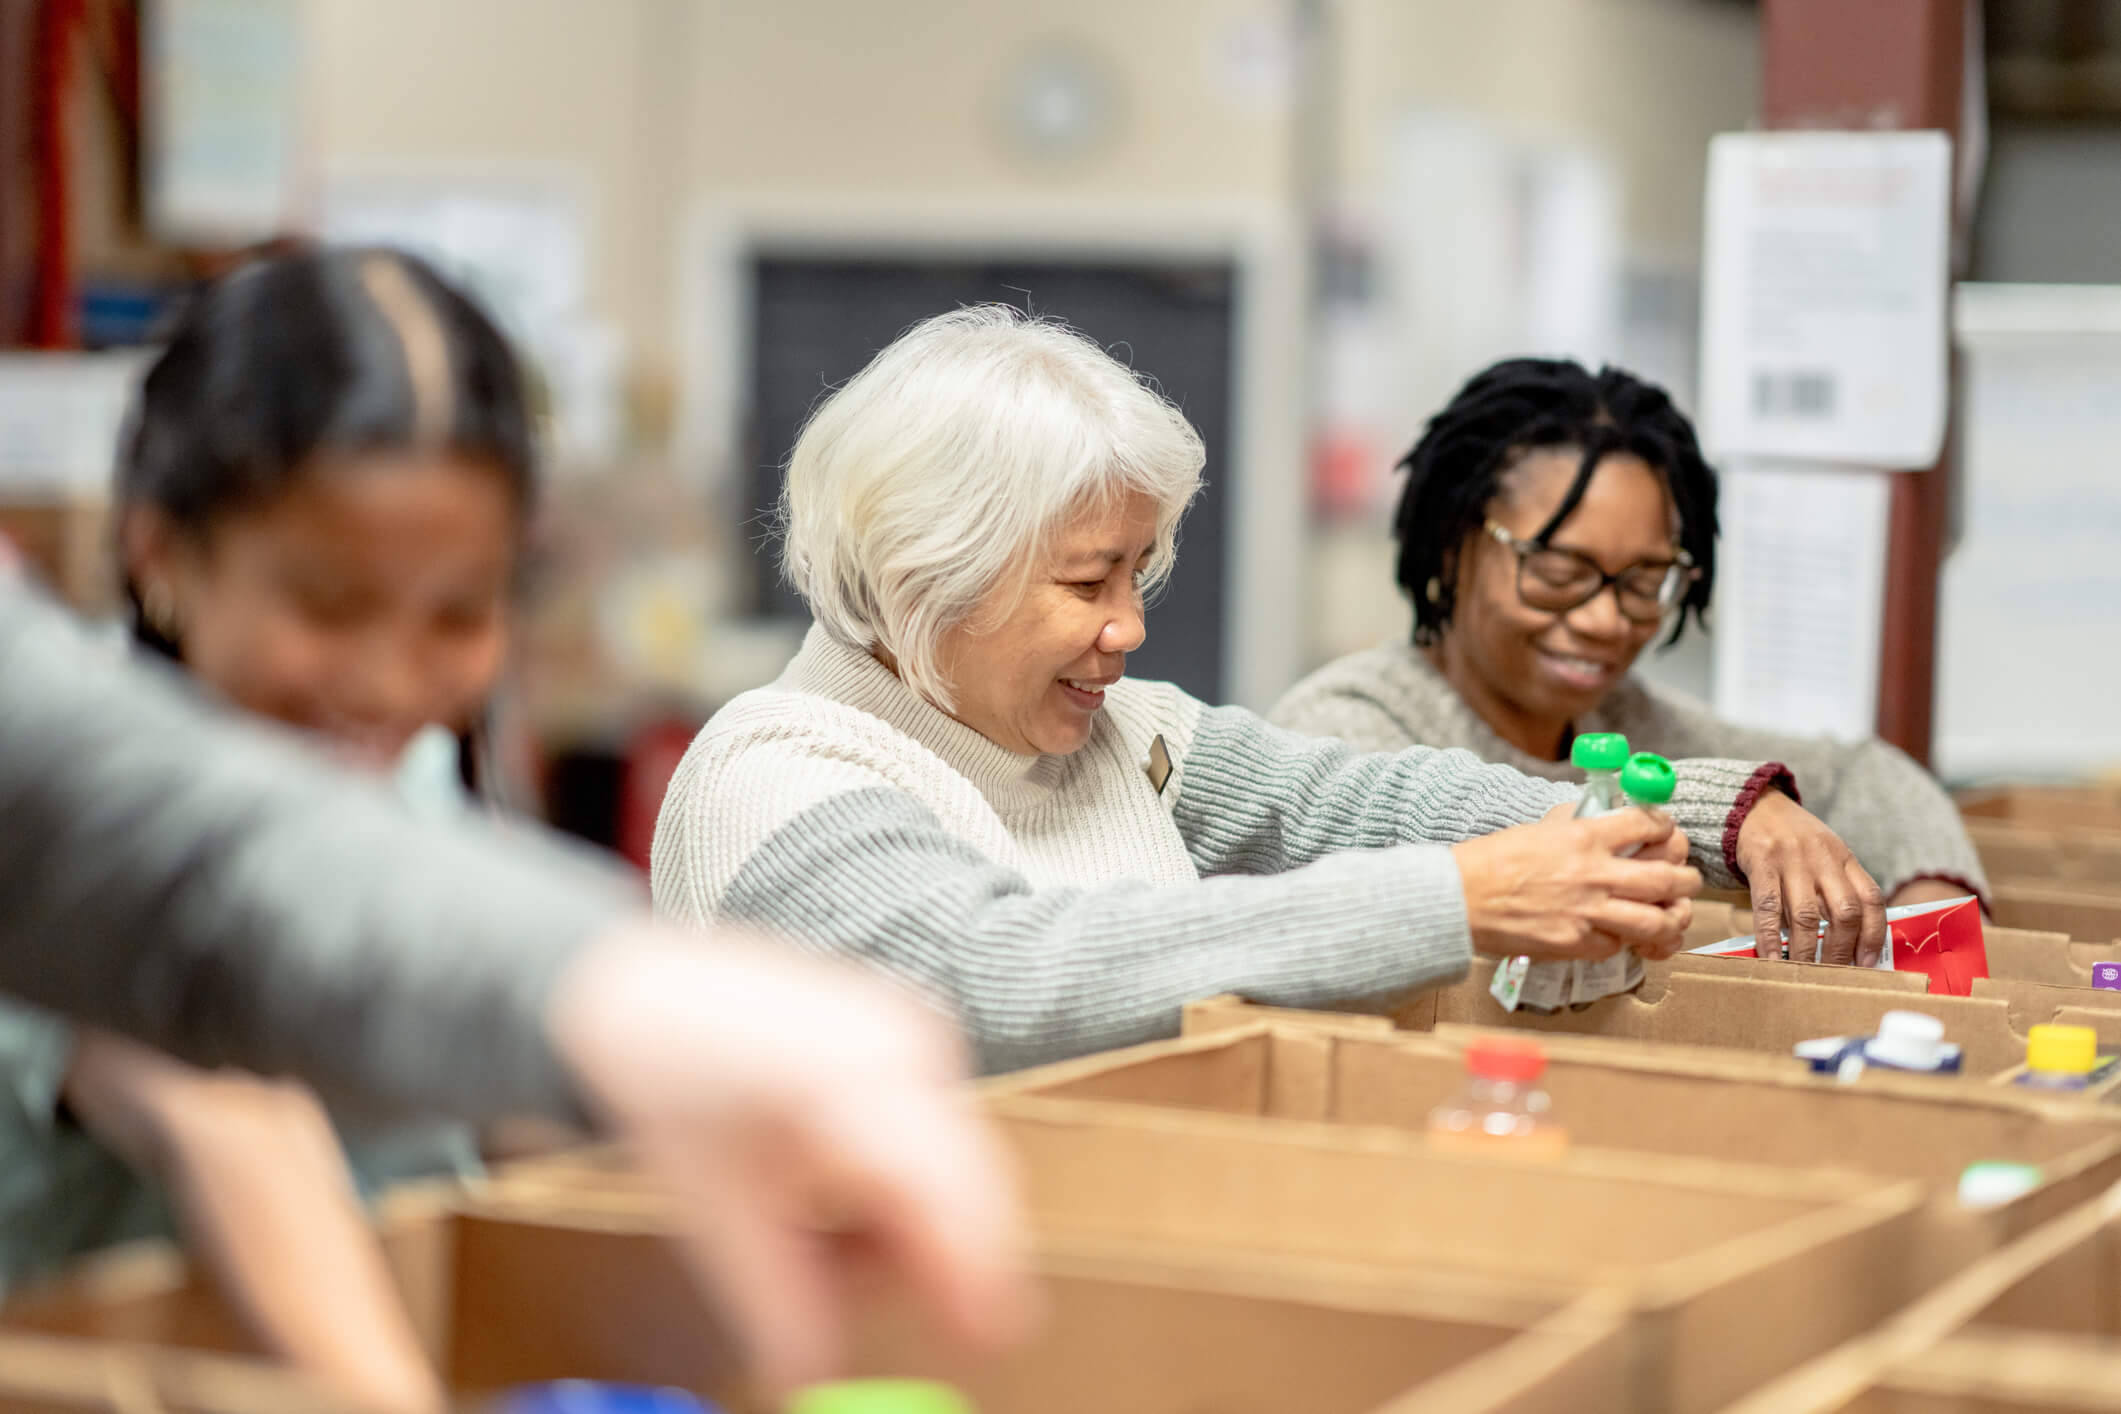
{"x":1265,"y":581}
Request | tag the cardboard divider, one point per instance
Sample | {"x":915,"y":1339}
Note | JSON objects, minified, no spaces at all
{"x":535,"y":1291}
{"x":2022,"y":854}
{"x":2083,"y":912}
{"x":56,"y":1375}
{"x":2079,"y":809}
{"x":2029,"y":955}
{"x":2034,"y":1326}
{"x":1700,"y":1105}
{"x":1703,"y":1247}
{"x":1703,"y":1008}
{"x":1737,"y":1004}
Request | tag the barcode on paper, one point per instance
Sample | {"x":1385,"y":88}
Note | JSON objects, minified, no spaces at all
{"x":1789,"y":396}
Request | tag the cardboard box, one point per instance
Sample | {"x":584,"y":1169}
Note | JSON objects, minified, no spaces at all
{"x":1737,"y":1004}
{"x":56,"y":1375}
{"x":2030,"y":955}
{"x":509,"y":1289}
{"x":2036,"y":1326}
{"x":2072,"y":808}
{"x":1696,"y":1105}
{"x":2083,"y":911}
{"x":1702,"y":1248}
{"x":2027,"y":854}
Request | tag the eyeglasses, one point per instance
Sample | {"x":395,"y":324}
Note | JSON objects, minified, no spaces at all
{"x":1556,"y":581}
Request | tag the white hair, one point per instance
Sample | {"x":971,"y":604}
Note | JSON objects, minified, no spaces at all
{"x":944,"y":468}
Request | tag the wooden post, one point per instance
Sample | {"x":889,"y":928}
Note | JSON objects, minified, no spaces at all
{"x":1882,"y":64}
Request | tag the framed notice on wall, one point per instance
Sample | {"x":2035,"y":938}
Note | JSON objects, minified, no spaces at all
{"x":1823,"y":299}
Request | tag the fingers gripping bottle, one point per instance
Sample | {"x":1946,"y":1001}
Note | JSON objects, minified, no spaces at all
{"x":1646,"y":781}
{"x":1548,"y":986}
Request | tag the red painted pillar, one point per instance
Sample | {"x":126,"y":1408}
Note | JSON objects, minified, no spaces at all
{"x":1881,"y":64}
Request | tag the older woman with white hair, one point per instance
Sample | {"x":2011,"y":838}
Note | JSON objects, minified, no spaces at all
{"x":953,"y":780}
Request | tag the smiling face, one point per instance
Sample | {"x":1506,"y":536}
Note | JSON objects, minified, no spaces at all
{"x":1531,"y":673}
{"x":363,"y":602}
{"x":1029,"y":673}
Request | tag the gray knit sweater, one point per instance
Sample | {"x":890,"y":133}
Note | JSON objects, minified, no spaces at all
{"x":1065,"y":904}
{"x":1894,"y":815}
{"x":212,"y":887}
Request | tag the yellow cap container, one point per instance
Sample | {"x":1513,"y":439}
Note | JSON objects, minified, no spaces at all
{"x":2062,"y":1050}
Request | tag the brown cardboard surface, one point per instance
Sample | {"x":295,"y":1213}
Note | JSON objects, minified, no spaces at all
{"x":2030,"y":955}
{"x":2014,"y":853}
{"x":1803,"y":974}
{"x":2036,"y":1325}
{"x":1704,"y":1246}
{"x":55,"y":1375}
{"x":1701,"y":1008}
{"x":1648,"y":1100}
{"x":2087,"y":913}
{"x":2074,"y":808}
{"x":539,"y":1294}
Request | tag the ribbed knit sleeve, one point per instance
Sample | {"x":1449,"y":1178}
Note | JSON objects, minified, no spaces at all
{"x":1389,"y":698}
{"x":1038,"y":974}
{"x":1255,"y":799}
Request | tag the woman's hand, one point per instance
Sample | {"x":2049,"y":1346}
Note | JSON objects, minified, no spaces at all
{"x":1801,"y":875}
{"x":814,"y":1124}
{"x":261,"y":1186}
{"x":1566,"y":889}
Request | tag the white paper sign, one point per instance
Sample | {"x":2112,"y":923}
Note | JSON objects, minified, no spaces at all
{"x":1823,"y":303}
{"x":224,"y":99}
{"x":60,"y":416}
{"x":1801,"y":598}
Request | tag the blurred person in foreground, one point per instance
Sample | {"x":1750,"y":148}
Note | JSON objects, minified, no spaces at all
{"x":321,"y":506}
{"x":1554,"y":522}
{"x":216,"y":890}
{"x":955,"y":780}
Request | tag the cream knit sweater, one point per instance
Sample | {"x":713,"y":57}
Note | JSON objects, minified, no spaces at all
{"x":1064,"y":904}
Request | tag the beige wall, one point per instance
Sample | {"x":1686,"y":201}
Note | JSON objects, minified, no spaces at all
{"x":663,"y":101}
{"x":1646,"y":81}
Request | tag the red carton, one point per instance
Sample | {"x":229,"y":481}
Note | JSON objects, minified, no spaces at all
{"x":1943,"y":941}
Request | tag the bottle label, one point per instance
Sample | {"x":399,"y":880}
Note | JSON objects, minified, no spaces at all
{"x":1508,"y":982}
{"x":1535,"y":986}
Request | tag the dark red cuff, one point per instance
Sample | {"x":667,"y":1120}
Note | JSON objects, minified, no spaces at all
{"x":1957,"y":881}
{"x":1772,"y":776}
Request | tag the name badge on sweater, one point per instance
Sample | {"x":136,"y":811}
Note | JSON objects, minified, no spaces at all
{"x":1158,"y":765}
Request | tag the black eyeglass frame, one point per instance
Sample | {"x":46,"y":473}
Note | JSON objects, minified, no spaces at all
{"x":1680,"y":572}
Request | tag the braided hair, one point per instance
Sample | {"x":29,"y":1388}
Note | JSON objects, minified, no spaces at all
{"x":1515,"y":407}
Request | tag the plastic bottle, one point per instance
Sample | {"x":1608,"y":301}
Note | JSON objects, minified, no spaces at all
{"x":596,"y":1397}
{"x":2060,"y":1057}
{"x":1547,"y":986}
{"x":879,"y":1397}
{"x":1647,"y":780}
{"x":1906,"y":1040}
{"x":1501,"y":1109}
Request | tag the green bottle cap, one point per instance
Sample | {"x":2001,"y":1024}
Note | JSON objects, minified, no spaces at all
{"x":1599,"y":751}
{"x":879,"y":1397}
{"x":1648,"y":779}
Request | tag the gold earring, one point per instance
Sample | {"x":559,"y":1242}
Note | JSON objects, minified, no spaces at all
{"x":158,"y":607}
{"x":1434,"y":590}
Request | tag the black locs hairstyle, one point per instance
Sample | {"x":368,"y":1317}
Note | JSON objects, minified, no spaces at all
{"x":323,"y":350}
{"x":1520,"y":405}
